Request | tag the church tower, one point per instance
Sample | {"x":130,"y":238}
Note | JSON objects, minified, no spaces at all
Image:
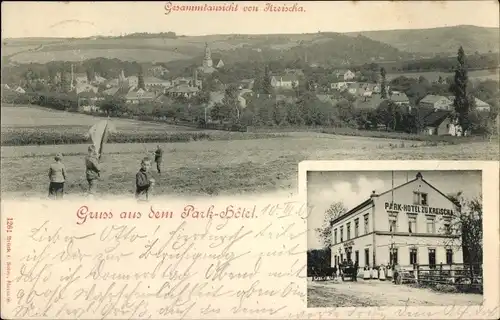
{"x":207,"y":61}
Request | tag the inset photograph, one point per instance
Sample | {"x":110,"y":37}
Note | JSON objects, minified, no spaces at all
{"x":392,"y":238}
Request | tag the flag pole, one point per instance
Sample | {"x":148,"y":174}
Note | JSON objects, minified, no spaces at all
{"x":104,"y":137}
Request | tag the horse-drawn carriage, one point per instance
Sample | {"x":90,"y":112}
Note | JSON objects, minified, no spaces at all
{"x":349,"y":272}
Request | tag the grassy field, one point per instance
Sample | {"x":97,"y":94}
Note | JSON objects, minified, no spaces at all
{"x":477,"y":75}
{"x":217,"y":167}
{"x":239,"y":163}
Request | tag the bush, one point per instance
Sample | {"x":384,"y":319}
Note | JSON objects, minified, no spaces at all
{"x":74,"y":135}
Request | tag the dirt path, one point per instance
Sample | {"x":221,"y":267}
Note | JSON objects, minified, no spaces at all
{"x":379,"y":293}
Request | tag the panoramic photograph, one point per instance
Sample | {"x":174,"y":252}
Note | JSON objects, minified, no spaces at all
{"x":177,"y":99}
{"x":394,"y":238}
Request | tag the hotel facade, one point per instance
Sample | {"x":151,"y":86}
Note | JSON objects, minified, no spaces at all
{"x":409,"y":224}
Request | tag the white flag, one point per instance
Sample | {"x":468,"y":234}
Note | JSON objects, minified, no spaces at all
{"x":99,"y":134}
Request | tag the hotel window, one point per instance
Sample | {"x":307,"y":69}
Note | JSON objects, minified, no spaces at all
{"x":420,"y":198}
{"x":393,"y":222}
{"x":431,"y":225}
{"x":447,"y":227}
{"x":413,"y":256}
{"x":367,"y":257}
{"x":393,"y":255}
{"x":356,"y":256}
{"x":432,"y":258}
{"x":356,"y":228}
{"x":449,"y":256}
{"x":342,"y":234}
{"x":412,"y":224}
{"x":335,"y":236}
{"x":348,"y":231}
{"x":366,"y":223}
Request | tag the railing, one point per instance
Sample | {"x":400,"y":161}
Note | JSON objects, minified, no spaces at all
{"x":462,"y":276}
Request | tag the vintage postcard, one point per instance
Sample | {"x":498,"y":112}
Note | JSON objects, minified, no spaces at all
{"x":385,"y":234}
{"x":150,"y":159}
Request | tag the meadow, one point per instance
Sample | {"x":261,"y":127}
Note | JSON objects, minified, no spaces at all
{"x":33,"y":125}
{"x":240,"y":163}
{"x":433,"y":76}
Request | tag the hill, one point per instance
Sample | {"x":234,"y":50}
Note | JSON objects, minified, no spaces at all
{"x":443,"y":40}
{"x":320,"y":48}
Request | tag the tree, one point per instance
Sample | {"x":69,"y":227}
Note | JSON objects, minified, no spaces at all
{"x":90,"y":74}
{"x":383,"y":92}
{"x":267,"y":87}
{"x":459,"y":88}
{"x":389,"y":114}
{"x":112,"y":106}
{"x":467,"y":224}
{"x":325,"y":231}
{"x":140,"y":81}
{"x":231,"y":103}
{"x":219,"y":112}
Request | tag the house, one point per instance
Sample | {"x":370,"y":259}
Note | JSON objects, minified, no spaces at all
{"x":6,"y":87}
{"x":479,"y":105}
{"x":439,"y":122}
{"x":246,"y":84}
{"x":182,"y":90}
{"x":436,"y":102}
{"x":340,"y":86}
{"x":399,"y":98}
{"x":98,"y":79}
{"x":19,"y":90}
{"x":158,"y":71}
{"x":87,"y":101}
{"x":137,"y":96}
{"x":85,"y":87}
{"x":133,"y":81}
{"x":482,"y":106}
{"x":349,"y":75}
{"x":81,"y":78}
{"x":297,"y":72}
{"x":111,"y":91}
{"x":287,"y":81}
{"x":408,"y":224}
{"x":218,"y":63}
{"x":156,"y":84}
{"x":192,"y":81}
{"x":371,"y":102}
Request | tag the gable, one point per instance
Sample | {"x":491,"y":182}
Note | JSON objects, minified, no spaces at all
{"x":404,"y":194}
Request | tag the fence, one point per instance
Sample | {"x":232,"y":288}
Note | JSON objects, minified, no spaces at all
{"x":461,"y":276}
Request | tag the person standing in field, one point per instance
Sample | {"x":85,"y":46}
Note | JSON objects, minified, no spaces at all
{"x":93,"y":171}
{"x":158,"y":158}
{"x":57,"y":176}
{"x":143,"y":180}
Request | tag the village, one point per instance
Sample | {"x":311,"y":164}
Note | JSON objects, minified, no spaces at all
{"x":365,"y":96}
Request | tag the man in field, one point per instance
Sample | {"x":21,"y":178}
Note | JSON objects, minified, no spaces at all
{"x":143,"y":181}
{"x":158,"y":158}
{"x":93,"y":170}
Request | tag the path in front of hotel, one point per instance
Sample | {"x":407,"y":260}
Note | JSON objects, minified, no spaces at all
{"x":380,"y":293}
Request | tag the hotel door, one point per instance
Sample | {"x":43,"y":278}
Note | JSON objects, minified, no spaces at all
{"x":348,"y":253}
{"x":356,"y":256}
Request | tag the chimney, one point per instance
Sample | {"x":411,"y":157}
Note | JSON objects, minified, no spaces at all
{"x":419,"y":176}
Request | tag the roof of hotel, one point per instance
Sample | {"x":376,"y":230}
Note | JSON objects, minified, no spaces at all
{"x":370,"y":200}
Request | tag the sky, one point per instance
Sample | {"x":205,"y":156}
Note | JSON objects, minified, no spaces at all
{"x":353,"y":187}
{"x":84,"y":19}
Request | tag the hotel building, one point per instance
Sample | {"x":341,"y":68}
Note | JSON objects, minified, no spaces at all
{"x":409,"y":224}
